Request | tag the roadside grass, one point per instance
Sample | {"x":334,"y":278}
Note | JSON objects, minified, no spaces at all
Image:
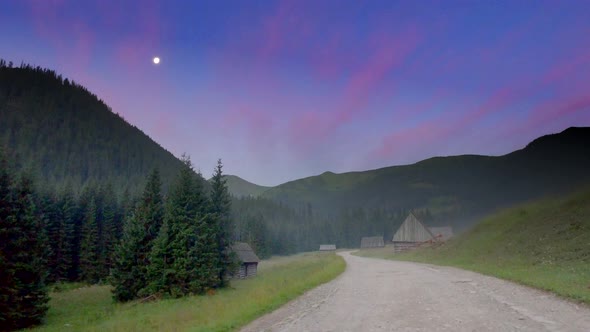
{"x":544,"y":244}
{"x":280,"y":279}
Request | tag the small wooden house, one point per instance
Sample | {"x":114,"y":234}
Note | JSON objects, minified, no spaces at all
{"x":413,"y":233}
{"x":248,"y":260}
{"x":327,"y":247}
{"x":372,"y":242}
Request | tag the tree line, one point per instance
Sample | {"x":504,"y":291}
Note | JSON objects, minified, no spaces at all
{"x":153,"y":245}
{"x":273,"y":228}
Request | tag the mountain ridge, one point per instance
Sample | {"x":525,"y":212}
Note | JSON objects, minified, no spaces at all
{"x":549,"y":164}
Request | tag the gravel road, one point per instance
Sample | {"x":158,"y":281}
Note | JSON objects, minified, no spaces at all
{"x":380,"y":295}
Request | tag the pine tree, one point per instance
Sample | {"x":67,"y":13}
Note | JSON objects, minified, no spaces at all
{"x":66,"y":208}
{"x":58,"y":212}
{"x":23,"y":296}
{"x":55,"y":231}
{"x":89,"y":246}
{"x":221,"y":221}
{"x":181,"y":262}
{"x":8,"y":232}
{"x":108,"y":229}
{"x":129,"y":275}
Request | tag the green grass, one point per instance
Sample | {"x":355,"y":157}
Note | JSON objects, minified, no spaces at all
{"x":279,"y":280}
{"x":545,"y":244}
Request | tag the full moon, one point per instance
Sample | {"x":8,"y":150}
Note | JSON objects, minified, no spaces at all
{"x":156,"y":60}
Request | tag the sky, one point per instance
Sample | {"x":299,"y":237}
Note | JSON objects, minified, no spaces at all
{"x":292,"y":88}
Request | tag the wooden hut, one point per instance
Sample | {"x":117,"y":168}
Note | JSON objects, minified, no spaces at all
{"x":248,"y":260}
{"x":327,"y":247}
{"x":411,"y":234}
{"x":372,"y":242}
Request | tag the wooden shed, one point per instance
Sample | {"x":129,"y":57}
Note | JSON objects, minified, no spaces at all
{"x":372,"y":242}
{"x":248,"y":260}
{"x":327,"y":247}
{"x":411,"y":234}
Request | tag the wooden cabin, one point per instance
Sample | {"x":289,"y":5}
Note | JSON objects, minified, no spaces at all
{"x":248,"y":260}
{"x":412,"y":233}
{"x":327,"y":247}
{"x":372,"y":242}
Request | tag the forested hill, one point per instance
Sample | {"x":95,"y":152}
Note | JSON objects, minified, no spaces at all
{"x":454,"y":189}
{"x":61,"y":130}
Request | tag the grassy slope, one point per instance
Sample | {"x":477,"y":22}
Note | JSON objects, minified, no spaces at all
{"x":240,"y":187}
{"x":279,"y":280}
{"x":545,"y":244}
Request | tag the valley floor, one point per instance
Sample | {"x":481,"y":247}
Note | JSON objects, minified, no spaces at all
{"x":383,"y":295}
{"x":280,"y":279}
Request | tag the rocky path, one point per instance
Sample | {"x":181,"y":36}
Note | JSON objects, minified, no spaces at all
{"x":381,"y":295}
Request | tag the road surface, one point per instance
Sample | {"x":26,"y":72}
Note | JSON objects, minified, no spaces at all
{"x":380,"y":295}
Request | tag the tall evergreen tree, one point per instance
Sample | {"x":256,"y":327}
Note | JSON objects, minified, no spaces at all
{"x":129,"y":274}
{"x":221,"y":222}
{"x":23,"y":296}
{"x":89,"y":246}
{"x":66,"y":211}
{"x":108,"y":229}
{"x":180,"y":261}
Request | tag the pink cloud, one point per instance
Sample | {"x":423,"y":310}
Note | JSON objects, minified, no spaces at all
{"x":274,"y":29}
{"x":390,"y":53}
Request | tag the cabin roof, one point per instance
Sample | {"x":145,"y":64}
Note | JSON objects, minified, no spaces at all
{"x":412,"y":230}
{"x":245,"y":252}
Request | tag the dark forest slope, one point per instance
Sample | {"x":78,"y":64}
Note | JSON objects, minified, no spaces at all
{"x":69,"y":135}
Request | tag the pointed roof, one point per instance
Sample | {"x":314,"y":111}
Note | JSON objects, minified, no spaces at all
{"x":412,"y":230}
{"x":245,"y":252}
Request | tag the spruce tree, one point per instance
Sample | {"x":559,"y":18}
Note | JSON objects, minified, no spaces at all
{"x":8,"y":232}
{"x":66,"y":208}
{"x":89,"y":246}
{"x":58,"y":212}
{"x":108,"y":229}
{"x":221,"y":222}
{"x":129,"y":274}
{"x":23,"y":296}
{"x":181,"y":262}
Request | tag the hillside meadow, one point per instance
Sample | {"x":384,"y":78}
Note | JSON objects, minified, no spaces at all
{"x":280,"y":279}
{"x":544,"y":244}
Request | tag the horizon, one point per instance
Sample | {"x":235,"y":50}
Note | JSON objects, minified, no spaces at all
{"x":408,"y":164}
{"x":285,"y":90}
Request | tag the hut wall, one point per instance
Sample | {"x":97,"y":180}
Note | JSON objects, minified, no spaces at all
{"x":372,"y":242}
{"x":404,"y":246}
{"x":251,"y":269}
{"x":247,"y":270}
{"x":242,"y":271}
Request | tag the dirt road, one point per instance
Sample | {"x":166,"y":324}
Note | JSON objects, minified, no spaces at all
{"x":380,"y":295}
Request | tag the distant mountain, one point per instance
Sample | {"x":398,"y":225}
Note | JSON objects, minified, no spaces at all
{"x":242,"y":188}
{"x":67,"y":134}
{"x":454,"y":189}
